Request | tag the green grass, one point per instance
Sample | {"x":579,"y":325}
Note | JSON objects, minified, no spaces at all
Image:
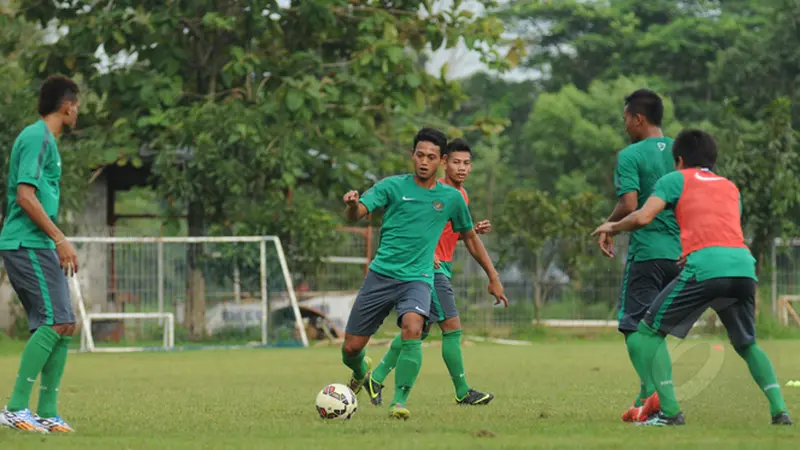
{"x":549,"y":395}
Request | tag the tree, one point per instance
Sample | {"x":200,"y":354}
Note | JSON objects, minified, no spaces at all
{"x":539,"y":229}
{"x":763,"y":160}
{"x":246,"y":107}
{"x":574,"y":136}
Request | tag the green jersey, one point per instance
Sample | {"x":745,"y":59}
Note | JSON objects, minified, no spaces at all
{"x":414,"y":219}
{"x":639,"y":167}
{"x":35,"y":161}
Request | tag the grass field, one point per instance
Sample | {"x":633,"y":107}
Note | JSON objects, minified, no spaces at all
{"x":549,"y":395}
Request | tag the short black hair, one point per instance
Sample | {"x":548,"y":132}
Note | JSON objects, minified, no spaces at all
{"x":646,"y":103}
{"x":54,"y":91}
{"x":433,"y":136}
{"x":696,"y":147}
{"x":458,"y":145}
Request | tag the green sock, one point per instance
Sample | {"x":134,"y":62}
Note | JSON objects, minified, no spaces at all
{"x":764,"y":374}
{"x":408,"y":365}
{"x":451,"y":354}
{"x":34,"y":357}
{"x":356,"y":364}
{"x":657,"y":363}
{"x":389,"y":360}
{"x":52,"y":372}
{"x":646,"y":386}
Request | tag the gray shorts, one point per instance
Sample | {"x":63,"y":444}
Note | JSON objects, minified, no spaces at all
{"x":443,"y":301}
{"x":40,"y":283}
{"x":379,"y":295}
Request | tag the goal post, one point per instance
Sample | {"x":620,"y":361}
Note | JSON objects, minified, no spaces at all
{"x":142,"y":293}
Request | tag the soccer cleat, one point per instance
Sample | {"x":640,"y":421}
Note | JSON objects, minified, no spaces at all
{"x":20,"y":420}
{"x":374,"y":390}
{"x":398,"y":411}
{"x":782,"y":419}
{"x":629,"y":415}
{"x":651,"y":406}
{"x":476,"y":398}
{"x":355,"y":384}
{"x":54,"y":424}
{"x":660,"y":420}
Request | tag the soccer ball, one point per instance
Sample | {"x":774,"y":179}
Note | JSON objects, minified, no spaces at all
{"x":336,"y":402}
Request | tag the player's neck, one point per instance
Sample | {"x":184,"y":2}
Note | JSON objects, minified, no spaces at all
{"x":54,"y":124}
{"x":450,"y":182}
{"x":653,"y":132}
{"x":430,"y":183}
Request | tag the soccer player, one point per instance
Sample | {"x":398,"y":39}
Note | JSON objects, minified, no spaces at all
{"x":417,"y":208}
{"x":457,"y":166}
{"x":719,"y":273}
{"x":37,"y":258}
{"x":653,"y":250}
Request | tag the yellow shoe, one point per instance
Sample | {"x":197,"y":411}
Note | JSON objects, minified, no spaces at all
{"x":399,"y":411}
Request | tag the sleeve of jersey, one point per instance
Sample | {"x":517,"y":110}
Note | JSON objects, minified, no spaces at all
{"x":32,"y":158}
{"x":626,"y":175}
{"x":461,"y":218}
{"x":377,"y":196}
{"x":669,"y":188}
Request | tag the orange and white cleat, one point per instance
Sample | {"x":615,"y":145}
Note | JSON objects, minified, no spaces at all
{"x":54,"y":424}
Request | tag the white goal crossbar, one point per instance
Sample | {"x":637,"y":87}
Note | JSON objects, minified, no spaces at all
{"x":87,"y":340}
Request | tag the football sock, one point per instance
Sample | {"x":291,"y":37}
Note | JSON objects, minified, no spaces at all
{"x":763,"y":373}
{"x":356,"y":364}
{"x":408,"y":366}
{"x":658,"y":364}
{"x":52,"y":372}
{"x":389,"y":360}
{"x":646,"y":386}
{"x":34,"y":357}
{"x":451,"y":354}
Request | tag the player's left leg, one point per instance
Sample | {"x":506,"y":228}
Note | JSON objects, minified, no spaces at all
{"x":413,"y":305}
{"x":444,"y":301}
{"x":738,"y":317}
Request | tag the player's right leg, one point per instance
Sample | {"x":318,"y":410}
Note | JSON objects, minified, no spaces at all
{"x":374,"y":302}
{"x":738,"y":317}
{"x":27,"y":276}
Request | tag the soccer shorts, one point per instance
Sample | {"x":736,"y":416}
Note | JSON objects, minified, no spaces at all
{"x":379,"y":295}
{"x":40,"y":284}
{"x":684,"y":300}
{"x":642,"y":283}
{"x":443,"y":300}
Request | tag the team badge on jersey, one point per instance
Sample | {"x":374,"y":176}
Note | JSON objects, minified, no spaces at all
{"x":437,"y":205}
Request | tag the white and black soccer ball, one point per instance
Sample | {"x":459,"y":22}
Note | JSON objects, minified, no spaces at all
{"x":336,"y":402}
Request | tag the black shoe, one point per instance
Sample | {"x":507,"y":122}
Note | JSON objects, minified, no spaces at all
{"x":474,"y":397}
{"x":374,"y":390}
{"x":782,"y":419}
{"x":660,"y":420}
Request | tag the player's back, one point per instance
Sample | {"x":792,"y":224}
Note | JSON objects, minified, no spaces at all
{"x":640,"y":166}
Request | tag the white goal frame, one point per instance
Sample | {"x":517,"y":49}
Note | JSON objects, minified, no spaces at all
{"x":168,"y":319}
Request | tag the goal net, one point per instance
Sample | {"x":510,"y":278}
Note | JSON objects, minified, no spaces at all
{"x":143,"y":293}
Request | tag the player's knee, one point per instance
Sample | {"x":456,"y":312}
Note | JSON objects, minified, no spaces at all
{"x":351,"y":347}
{"x":412,"y":326}
{"x":64,"y":329}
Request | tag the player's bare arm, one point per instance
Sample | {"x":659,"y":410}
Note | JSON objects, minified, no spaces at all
{"x":635,"y":220}
{"x":355,"y":210}
{"x":626,"y":205}
{"x":26,"y":198}
{"x":478,"y":251}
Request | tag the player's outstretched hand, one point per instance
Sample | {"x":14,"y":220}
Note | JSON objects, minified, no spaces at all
{"x":436,"y":263}
{"x":351,"y":198}
{"x":604,"y":228}
{"x":483,"y":227}
{"x":606,"y":243}
{"x":497,"y":291}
